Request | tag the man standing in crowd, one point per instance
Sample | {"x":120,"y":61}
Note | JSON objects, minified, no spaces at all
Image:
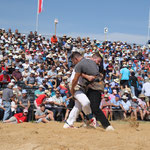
{"x":124,"y":77}
{"x":7,"y":98}
{"x":24,"y":100}
{"x":146,"y":91}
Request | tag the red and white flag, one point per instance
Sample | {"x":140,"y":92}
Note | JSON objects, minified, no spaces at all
{"x":40,"y":6}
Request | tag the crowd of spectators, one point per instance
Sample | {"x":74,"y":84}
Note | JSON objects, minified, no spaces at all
{"x":35,"y":72}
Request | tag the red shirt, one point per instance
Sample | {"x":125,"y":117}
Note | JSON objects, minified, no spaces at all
{"x":4,"y":68}
{"x":110,"y":67}
{"x":20,"y":116}
{"x":4,"y":79}
{"x":54,"y":39}
{"x":17,"y":75}
{"x":40,"y":99}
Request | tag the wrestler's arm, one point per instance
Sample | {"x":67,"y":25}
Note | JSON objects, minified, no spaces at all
{"x":88,"y":77}
{"x":74,"y":82}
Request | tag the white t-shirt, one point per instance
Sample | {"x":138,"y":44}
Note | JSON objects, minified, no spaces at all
{"x":1,"y":102}
{"x":126,"y":105}
{"x":146,"y":89}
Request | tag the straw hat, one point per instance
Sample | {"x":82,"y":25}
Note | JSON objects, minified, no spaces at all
{"x":47,"y":92}
{"x":134,"y":97}
{"x":117,"y":80}
{"x":65,"y":78}
{"x":60,"y":74}
{"x":141,"y":96}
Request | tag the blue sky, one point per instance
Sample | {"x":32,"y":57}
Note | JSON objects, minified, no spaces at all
{"x":127,"y":20}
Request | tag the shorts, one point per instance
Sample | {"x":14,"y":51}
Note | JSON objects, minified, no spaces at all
{"x":124,"y":83}
{"x":40,"y":120}
{"x":71,"y":104}
{"x":147,"y":98}
{"x":13,"y":119}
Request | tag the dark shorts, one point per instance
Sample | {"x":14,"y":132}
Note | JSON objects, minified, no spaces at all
{"x":124,"y":83}
{"x":71,"y":104}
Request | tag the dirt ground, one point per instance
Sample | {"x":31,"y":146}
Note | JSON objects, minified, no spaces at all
{"x":31,"y":136}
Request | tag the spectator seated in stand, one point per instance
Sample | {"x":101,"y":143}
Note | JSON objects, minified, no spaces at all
{"x":41,"y":99}
{"x":38,"y":92}
{"x":58,"y":106}
{"x":63,"y":86}
{"x":143,"y":109}
{"x":134,"y":107}
{"x":31,"y":80}
{"x":24,"y":101}
{"x":4,"y":79}
{"x":117,"y":111}
{"x":126,"y":106}
{"x":43,"y":115}
{"x":106,"y":106}
{"x":17,"y":75}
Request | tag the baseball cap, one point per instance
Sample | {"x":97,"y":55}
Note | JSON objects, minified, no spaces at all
{"x":13,"y":80}
{"x":126,"y":91}
{"x":116,"y":84}
{"x":32,"y":72}
{"x":17,"y":68}
{"x":107,"y":75}
{"x":10,"y":84}
{"x":134,"y":97}
{"x":117,"y":96}
{"x":41,"y":86}
{"x":24,"y":91}
{"x":25,"y":110}
{"x":46,"y":77}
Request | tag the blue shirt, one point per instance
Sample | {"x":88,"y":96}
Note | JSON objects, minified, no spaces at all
{"x":125,"y":74}
{"x":108,"y":89}
{"x":117,"y":103}
{"x":39,"y":80}
{"x":64,"y":100}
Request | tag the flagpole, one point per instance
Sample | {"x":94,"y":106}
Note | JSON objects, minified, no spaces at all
{"x":37,"y":17}
{"x":148,"y":26}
